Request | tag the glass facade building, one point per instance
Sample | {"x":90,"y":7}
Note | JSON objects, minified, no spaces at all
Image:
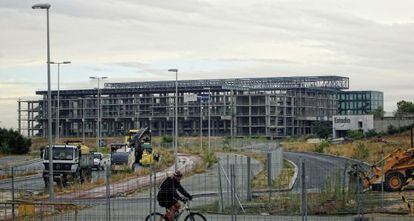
{"x":359,"y":102}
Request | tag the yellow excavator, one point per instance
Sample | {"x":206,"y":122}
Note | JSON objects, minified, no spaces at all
{"x":397,"y":169}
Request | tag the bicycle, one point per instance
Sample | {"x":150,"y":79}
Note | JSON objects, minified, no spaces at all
{"x":192,"y":216}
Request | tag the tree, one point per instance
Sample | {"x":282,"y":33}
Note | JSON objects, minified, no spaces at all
{"x":404,"y":108}
{"x":322,"y":130}
{"x":378,"y":113}
{"x":13,"y":142}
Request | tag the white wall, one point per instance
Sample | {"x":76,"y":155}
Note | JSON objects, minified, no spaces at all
{"x":352,"y":122}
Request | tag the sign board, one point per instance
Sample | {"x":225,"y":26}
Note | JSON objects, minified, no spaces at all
{"x":203,"y":97}
{"x":190,"y":97}
{"x":353,"y":122}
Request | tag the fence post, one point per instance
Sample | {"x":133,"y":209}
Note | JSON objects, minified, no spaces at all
{"x":12,"y":183}
{"x":359,"y":199}
{"x":304,"y":200}
{"x":221,"y":202}
{"x":344,"y":183}
{"x":108,"y":194}
{"x":228,"y":174}
{"x":233,"y":194}
{"x":150,"y":192}
{"x":242,"y":182}
{"x":382,"y":180}
{"x":269,"y":174}
{"x":249,"y":188}
{"x":155,"y":191}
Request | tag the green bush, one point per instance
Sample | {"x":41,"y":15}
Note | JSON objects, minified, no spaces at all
{"x":391,"y":130}
{"x":167,"y":139}
{"x":361,"y":152}
{"x":371,"y":133}
{"x":355,"y":134}
{"x":12,"y":142}
{"x":227,"y":144}
{"x":209,"y":159}
{"x":321,"y":147}
{"x":322,"y":129}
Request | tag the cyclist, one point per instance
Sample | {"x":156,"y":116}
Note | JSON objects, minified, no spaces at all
{"x":168,"y":197}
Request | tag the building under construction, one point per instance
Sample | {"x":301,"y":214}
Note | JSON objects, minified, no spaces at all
{"x":272,"y":107}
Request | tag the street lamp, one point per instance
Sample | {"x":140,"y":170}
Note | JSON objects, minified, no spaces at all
{"x":98,"y":126}
{"x":209,"y":99}
{"x":176,"y":118}
{"x":57,"y":136}
{"x":49,"y":102}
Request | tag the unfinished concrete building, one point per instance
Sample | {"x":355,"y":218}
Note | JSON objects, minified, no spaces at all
{"x":272,"y":107}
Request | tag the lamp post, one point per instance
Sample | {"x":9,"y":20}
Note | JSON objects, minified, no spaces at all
{"x":201,"y":123}
{"x":209,"y":101}
{"x":98,"y":126}
{"x":57,"y":135}
{"x":175,"y":119}
{"x":49,"y":102}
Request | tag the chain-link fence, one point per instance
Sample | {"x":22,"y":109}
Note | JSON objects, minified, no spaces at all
{"x":257,"y":183}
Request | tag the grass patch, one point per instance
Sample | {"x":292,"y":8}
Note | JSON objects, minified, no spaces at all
{"x":260,"y":180}
{"x":368,"y":149}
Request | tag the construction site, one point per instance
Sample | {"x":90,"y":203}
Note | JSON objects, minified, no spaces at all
{"x":270,"y":107}
{"x":276,"y":112}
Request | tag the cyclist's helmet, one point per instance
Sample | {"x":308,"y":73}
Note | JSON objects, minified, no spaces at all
{"x":178,"y":174}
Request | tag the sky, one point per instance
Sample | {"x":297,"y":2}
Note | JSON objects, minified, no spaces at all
{"x":369,"y":41}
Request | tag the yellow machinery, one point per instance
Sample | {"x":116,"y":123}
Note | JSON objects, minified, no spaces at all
{"x":139,"y":140}
{"x":130,"y":135}
{"x":398,"y":168}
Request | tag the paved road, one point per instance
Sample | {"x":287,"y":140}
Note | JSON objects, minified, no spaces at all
{"x":319,"y":169}
{"x":137,"y":208}
{"x":22,"y":164}
{"x":13,"y":159}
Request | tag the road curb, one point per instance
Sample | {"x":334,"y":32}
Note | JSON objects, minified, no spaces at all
{"x":26,"y":163}
{"x":333,"y":156}
{"x":295,"y":175}
{"x":21,"y":178}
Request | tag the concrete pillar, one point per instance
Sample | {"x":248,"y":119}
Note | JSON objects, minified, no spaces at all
{"x":28,"y":119}
{"x":19,"y":116}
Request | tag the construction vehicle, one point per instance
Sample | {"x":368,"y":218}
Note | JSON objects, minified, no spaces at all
{"x":98,"y":162}
{"x":125,"y":155}
{"x":140,"y":140}
{"x":397,"y":168}
{"x":71,"y":162}
{"x":122,"y":157}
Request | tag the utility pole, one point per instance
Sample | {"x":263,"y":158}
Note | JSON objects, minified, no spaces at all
{"x":176,"y":119}
{"x":49,"y":102}
{"x":201,"y":123}
{"x":98,"y":126}
{"x":57,"y":135}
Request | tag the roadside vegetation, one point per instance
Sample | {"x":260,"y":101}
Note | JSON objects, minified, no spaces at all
{"x":12,"y":142}
{"x":366,"y":148}
{"x":282,"y":182}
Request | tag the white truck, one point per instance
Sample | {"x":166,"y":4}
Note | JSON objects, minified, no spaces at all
{"x":98,"y":161}
{"x":71,"y":162}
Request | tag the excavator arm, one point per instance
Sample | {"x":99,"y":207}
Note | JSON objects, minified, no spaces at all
{"x":397,"y":168}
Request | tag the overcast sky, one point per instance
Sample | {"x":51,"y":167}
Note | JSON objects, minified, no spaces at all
{"x":370,"y":41}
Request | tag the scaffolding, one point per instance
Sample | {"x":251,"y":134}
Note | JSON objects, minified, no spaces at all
{"x":273,"y":107}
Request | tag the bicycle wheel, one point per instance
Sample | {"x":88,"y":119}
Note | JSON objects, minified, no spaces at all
{"x":195,"y":217}
{"x":155,"y":217}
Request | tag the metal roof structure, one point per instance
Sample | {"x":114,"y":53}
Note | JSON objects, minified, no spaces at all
{"x":267,"y":83}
